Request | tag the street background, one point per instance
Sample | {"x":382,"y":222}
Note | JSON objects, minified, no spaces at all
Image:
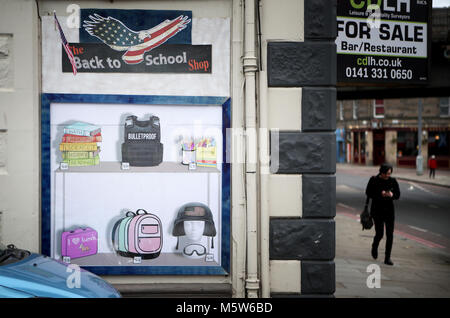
{"x":421,"y":249}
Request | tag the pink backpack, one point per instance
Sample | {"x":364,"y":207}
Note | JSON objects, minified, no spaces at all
{"x":139,"y":234}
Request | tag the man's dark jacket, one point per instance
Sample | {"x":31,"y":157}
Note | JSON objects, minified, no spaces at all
{"x":382,"y":206}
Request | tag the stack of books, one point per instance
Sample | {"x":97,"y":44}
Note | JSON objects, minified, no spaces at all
{"x":79,"y":144}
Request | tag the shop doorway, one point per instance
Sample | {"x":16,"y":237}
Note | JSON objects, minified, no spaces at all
{"x":378,"y":147}
{"x":359,"y":147}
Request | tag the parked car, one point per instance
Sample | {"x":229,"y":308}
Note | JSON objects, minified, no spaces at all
{"x":24,"y":274}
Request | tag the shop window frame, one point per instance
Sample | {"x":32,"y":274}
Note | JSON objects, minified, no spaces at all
{"x":442,"y":105}
{"x":225,"y":102}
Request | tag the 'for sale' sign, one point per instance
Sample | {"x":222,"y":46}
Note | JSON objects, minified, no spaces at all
{"x":382,"y":41}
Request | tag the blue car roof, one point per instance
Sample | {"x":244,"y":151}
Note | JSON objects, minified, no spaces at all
{"x":41,"y":276}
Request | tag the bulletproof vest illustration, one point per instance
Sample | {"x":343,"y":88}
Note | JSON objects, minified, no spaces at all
{"x":142,"y":146}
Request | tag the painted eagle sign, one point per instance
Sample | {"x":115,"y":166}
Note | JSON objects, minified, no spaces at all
{"x":383,"y":41}
{"x":110,"y":44}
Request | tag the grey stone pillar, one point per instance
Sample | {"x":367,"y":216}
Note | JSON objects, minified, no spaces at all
{"x":310,"y":152}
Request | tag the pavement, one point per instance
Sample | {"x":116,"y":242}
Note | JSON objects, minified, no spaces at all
{"x":421,"y":267}
{"x":442,"y":177}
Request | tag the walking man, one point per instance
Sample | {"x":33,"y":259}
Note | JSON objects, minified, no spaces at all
{"x":383,"y":190}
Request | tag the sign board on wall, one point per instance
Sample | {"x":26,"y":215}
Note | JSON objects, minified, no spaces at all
{"x":171,"y":58}
{"x":137,"y":41}
{"x":382,"y":41}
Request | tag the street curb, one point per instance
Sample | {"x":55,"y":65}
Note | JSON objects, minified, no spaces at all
{"x":422,"y":181}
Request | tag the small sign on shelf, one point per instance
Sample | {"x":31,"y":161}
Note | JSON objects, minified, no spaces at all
{"x":137,"y":260}
{"x":66,"y":259}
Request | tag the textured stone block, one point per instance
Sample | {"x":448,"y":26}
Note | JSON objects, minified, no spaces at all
{"x":318,"y":277}
{"x":295,"y":64}
{"x":319,"y":196}
{"x":320,"y":19}
{"x":318,"y":109}
{"x":302,"y":239}
{"x":297,"y":152}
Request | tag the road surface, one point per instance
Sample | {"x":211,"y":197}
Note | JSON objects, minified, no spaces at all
{"x":422,"y":213}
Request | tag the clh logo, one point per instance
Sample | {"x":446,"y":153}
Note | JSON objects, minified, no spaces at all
{"x":392,"y":6}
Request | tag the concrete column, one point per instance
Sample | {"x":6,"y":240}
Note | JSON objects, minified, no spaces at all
{"x":425,"y":150}
{"x":391,"y":147}
{"x":369,"y":148}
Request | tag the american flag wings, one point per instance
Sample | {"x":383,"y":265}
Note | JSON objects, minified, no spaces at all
{"x":120,"y":38}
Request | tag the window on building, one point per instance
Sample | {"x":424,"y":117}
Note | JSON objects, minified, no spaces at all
{"x":355,"y":109}
{"x":444,"y":106}
{"x":439,"y":143}
{"x":407,"y":144}
{"x":341,"y":110}
{"x":378,"y":108}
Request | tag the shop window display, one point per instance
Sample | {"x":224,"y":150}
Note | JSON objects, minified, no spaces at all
{"x":115,"y":179}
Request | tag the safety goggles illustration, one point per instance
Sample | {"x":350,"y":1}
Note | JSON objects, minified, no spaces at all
{"x":192,"y":249}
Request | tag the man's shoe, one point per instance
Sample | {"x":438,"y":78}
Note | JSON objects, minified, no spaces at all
{"x":374,"y":253}
{"x":388,"y":262}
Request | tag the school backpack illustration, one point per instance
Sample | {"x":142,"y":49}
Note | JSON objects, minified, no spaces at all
{"x":138,"y":234}
{"x":142,"y":146}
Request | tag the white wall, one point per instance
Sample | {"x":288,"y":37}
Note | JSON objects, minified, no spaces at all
{"x":19,"y":126}
{"x":214,"y":31}
{"x":211,"y":24}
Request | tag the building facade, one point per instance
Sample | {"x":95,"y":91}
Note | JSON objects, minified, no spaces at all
{"x":262,"y":78}
{"x":386,"y":130}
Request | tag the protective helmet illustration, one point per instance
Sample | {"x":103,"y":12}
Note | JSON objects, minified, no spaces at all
{"x":194,"y":211}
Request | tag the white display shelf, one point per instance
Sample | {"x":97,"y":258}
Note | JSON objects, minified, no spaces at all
{"x":98,"y":196}
{"x":164,"y":259}
{"x":116,"y":167}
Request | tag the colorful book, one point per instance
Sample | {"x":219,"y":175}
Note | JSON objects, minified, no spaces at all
{"x":76,"y":138}
{"x":82,"y":146}
{"x":82,"y":129}
{"x":79,"y":154}
{"x":83,"y":162}
{"x":206,"y":153}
